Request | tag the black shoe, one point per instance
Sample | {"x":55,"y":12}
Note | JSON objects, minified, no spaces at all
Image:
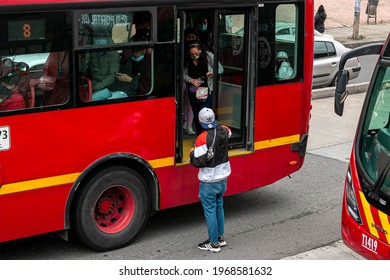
{"x":221,"y":241}
{"x":208,"y":246}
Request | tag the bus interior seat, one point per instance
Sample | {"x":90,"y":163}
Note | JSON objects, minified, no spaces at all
{"x":85,"y":89}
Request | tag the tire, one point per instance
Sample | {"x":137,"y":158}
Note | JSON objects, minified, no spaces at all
{"x":111,"y":209}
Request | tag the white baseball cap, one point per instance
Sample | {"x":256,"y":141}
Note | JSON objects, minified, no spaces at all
{"x":207,"y":118}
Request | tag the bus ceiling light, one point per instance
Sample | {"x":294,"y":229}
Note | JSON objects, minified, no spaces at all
{"x":352,"y":205}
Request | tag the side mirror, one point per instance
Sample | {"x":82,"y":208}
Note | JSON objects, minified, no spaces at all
{"x":341,"y":92}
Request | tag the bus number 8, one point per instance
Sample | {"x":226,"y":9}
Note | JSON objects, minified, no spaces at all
{"x":27,"y":30}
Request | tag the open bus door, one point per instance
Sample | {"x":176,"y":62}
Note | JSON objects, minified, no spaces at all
{"x":233,"y":89}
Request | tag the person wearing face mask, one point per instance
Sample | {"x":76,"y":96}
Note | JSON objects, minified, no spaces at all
{"x":10,"y":99}
{"x":283,"y":69}
{"x":101,"y":65}
{"x":198,"y":73}
{"x":142,"y":23}
{"x":188,"y":116}
{"x":204,"y":35}
{"x":133,"y":79}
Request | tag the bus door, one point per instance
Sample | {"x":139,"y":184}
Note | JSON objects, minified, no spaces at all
{"x":233,"y":87}
{"x":232,"y":90}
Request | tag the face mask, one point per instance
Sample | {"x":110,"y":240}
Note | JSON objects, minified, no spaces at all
{"x":138,"y":59}
{"x":195,"y":56}
{"x":202,"y":27}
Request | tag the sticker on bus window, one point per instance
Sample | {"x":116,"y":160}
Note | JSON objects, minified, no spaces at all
{"x":4,"y":138}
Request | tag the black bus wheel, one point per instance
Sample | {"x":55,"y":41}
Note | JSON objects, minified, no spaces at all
{"x":111,"y":209}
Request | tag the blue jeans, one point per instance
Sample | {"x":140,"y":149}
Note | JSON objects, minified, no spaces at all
{"x":107,"y":94}
{"x":210,"y":195}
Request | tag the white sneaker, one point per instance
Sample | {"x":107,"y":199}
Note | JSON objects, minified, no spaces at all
{"x":190,"y":131}
{"x":185,"y":126}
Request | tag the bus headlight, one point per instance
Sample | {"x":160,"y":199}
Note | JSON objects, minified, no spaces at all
{"x":352,"y":205}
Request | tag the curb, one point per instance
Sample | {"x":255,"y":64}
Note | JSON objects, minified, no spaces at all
{"x":334,"y":251}
{"x":352,"y":45}
{"x":329,"y":91}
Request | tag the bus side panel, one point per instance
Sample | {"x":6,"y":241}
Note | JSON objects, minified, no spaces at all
{"x":50,"y":149}
{"x":278,"y":111}
{"x":68,"y":141}
{"x":180,"y":185}
{"x":30,"y":213}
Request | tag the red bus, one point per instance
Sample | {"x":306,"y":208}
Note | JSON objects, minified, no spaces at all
{"x":365,"y":225}
{"x":99,"y":168}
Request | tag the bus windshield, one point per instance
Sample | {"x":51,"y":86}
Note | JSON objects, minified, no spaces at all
{"x":375,"y":134}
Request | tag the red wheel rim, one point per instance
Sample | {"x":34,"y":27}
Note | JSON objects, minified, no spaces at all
{"x":114,"y":209}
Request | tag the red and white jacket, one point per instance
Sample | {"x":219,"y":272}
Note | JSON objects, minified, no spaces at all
{"x":217,"y":168}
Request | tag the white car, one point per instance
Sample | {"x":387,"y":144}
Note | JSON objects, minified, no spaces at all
{"x":327,"y":54}
{"x":35,"y":61}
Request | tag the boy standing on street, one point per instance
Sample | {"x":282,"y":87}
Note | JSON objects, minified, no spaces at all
{"x":211,"y":157}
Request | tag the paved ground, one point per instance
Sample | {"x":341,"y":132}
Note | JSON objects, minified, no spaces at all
{"x":341,"y":13}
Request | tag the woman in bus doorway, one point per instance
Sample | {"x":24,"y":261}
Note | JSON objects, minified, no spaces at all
{"x":198,"y":74}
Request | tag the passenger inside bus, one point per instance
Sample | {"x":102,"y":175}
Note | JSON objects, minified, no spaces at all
{"x":142,"y":25}
{"x":101,"y":65}
{"x":204,"y":35}
{"x":188,"y":116}
{"x":283,"y":69}
{"x":198,"y":74}
{"x":10,"y":99}
{"x":133,"y":79}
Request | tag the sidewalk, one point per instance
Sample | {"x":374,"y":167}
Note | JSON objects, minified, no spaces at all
{"x":368,"y":34}
{"x":341,"y":17}
{"x":341,"y":13}
{"x":335,"y":251}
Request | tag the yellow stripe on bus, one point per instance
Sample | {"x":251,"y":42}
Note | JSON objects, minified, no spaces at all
{"x":64,"y":179}
{"x":385,"y":224}
{"x":38,"y":183}
{"x":162,"y":162}
{"x":156,"y":163}
{"x":277,"y":142}
{"x":368,"y":214}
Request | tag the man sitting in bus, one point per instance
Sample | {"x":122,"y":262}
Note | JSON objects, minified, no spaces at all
{"x":9,"y":98}
{"x":100,"y":65}
{"x":133,"y":79}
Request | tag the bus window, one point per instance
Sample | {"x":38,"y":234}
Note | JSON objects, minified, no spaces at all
{"x":35,"y":61}
{"x":285,"y":41}
{"x":116,"y":57}
{"x":278,"y":50}
{"x":112,"y":73}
